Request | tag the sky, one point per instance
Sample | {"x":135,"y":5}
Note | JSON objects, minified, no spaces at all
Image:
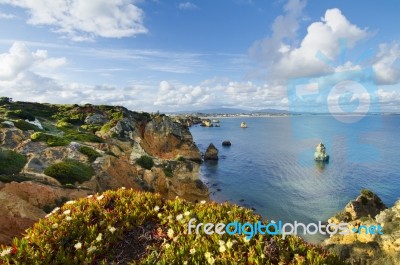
{"x":188,"y":55}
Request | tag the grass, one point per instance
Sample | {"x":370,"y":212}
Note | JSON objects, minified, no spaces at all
{"x":11,"y":162}
{"x":89,"y":152}
{"x":145,"y":162}
{"x":130,"y":227}
{"x":51,"y":140}
{"x":70,"y":171}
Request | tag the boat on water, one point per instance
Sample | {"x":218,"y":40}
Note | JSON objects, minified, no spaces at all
{"x":215,"y":121}
{"x":243,"y":125}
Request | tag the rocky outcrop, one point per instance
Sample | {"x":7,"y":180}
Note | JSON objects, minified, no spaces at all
{"x":320,"y":153}
{"x":211,"y":153}
{"x":368,"y":248}
{"x":226,"y":143}
{"x":96,"y":119}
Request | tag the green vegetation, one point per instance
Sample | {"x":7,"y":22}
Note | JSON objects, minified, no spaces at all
{"x":168,"y":171}
{"x":51,"y":140}
{"x":367,"y":193}
{"x":11,"y":178}
{"x":11,"y":162}
{"x":145,"y":162}
{"x":142,"y":228}
{"x":180,"y":158}
{"x":25,"y":126}
{"x":70,"y":171}
{"x":89,"y":152}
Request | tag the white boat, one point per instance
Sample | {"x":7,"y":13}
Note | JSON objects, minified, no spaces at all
{"x":243,"y":125}
{"x":215,"y":121}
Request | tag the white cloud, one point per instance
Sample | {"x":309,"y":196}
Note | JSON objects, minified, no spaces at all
{"x":83,"y":20}
{"x":187,"y":6}
{"x":6,"y":16}
{"x":20,"y":59}
{"x":384,"y":67}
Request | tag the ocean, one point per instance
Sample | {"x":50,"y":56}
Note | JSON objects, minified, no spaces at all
{"x":270,"y":165}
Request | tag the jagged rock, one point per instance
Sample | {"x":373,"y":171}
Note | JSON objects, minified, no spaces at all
{"x":226,"y":143}
{"x":125,"y":128}
{"x":211,"y":153}
{"x":320,"y":153}
{"x":96,"y":119}
{"x":12,"y":137}
{"x":363,"y":248}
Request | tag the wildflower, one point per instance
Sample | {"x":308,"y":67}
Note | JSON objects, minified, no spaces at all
{"x":203,"y":202}
{"x":123,"y":188}
{"x":229,"y":244}
{"x":192,"y":251}
{"x":55,"y":210}
{"x":222,"y":248}
{"x":246,"y":240}
{"x":111,"y":229}
{"x":179,"y":217}
{"x":100,"y":197}
{"x":159,"y":215}
{"x":185,"y":262}
{"x":68,"y":218}
{"x":66,"y":212}
{"x":170,"y":233}
{"x":207,"y":255}
{"x":211,"y":260}
{"x":167,"y":245}
{"x":55,"y":226}
{"x":156,"y":208}
{"x":90,"y":196}
{"x":99,"y":237}
{"x":262,"y":256}
{"x":78,"y":245}
{"x":91,"y":249}
{"x":221,"y":242}
{"x":5,"y":252}
{"x":187,"y":213}
{"x":47,"y":215}
{"x":70,"y":202}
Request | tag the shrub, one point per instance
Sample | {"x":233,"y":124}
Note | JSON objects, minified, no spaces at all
{"x":145,"y":162}
{"x":83,"y":137}
{"x":143,"y":228}
{"x":11,"y":178}
{"x":26,"y":126}
{"x":11,"y":162}
{"x":70,"y":171}
{"x":168,"y":171}
{"x":20,"y":114}
{"x":51,"y":140}
{"x":89,"y":152}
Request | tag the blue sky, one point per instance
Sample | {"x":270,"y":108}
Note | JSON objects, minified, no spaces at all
{"x":182,"y":55}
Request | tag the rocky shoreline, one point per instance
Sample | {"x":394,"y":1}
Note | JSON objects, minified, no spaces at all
{"x":111,"y":141}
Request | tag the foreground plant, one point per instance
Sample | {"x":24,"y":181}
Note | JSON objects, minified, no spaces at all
{"x":141,"y":228}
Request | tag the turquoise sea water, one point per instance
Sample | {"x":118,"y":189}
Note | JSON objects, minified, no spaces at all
{"x":270,"y":164}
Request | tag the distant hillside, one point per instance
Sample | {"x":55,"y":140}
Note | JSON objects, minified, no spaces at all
{"x":233,"y":111}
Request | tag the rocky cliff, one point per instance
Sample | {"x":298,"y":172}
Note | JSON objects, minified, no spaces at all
{"x":368,"y":248}
{"x":53,"y":153}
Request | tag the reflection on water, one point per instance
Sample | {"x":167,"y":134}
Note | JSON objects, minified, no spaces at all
{"x":271,"y":168}
{"x":320,"y":166}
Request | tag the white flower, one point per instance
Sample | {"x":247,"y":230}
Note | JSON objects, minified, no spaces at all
{"x":211,"y":260}
{"x":229,"y":244}
{"x":203,"y":202}
{"x":192,"y":251}
{"x":111,"y":229}
{"x":222,"y":248}
{"x":262,"y":256}
{"x":156,"y":208}
{"x":221,"y":242}
{"x":90,"y":196}
{"x":91,"y":249}
{"x":55,"y":210}
{"x":54,"y":226}
{"x":70,"y":202}
{"x":159,"y":215}
{"x":207,"y":255}
{"x":48,"y":215}
{"x":100,"y":197}
{"x":5,"y":252}
{"x":179,"y":217}
{"x":185,"y":262}
{"x":68,"y":218}
{"x":99,"y":237}
{"x":170,"y":233}
{"x":167,"y":245}
{"x":78,"y":245}
{"x":187,"y":213}
{"x":123,"y":188}
{"x":66,"y":212}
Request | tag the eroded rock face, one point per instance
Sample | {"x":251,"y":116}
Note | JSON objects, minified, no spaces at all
{"x":362,"y":248}
{"x":96,"y":119}
{"x":166,"y":139}
{"x":12,"y":137}
{"x":211,"y":153}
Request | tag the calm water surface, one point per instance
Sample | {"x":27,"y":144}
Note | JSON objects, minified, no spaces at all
{"x":270,"y":164}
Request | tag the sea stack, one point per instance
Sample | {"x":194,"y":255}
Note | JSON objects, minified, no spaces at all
{"x":211,"y":153}
{"x":320,"y":153}
{"x":243,"y":125}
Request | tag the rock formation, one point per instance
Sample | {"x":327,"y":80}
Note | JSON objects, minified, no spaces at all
{"x":243,"y":125}
{"x":362,"y":248}
{"x":116,"y":136}
{"x":320,"y":153}
{"x":211,"y":153}
{"x":226,"y":143}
